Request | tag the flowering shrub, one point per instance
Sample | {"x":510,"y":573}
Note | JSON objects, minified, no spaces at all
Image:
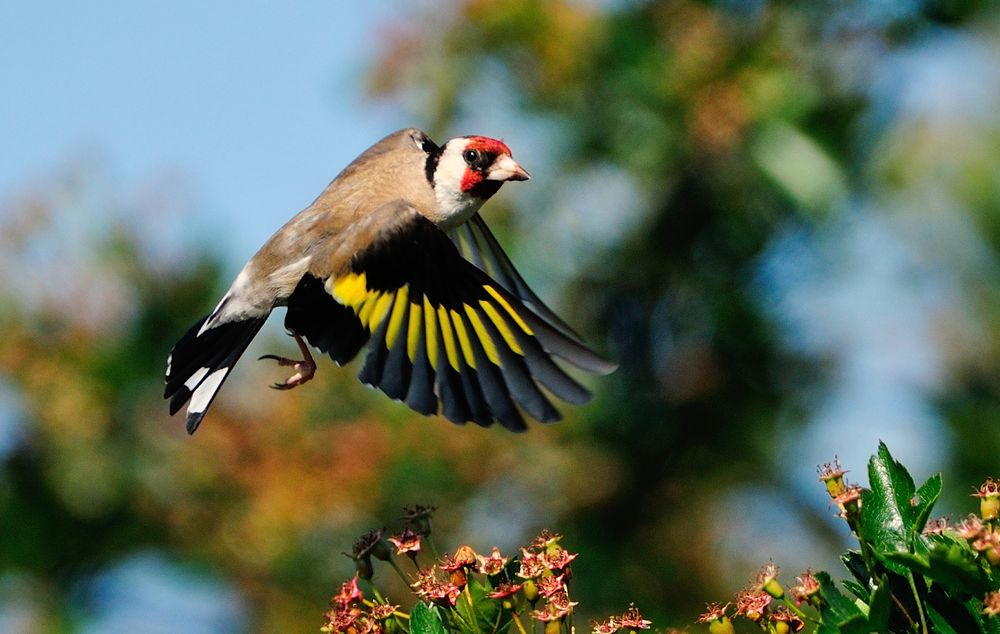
{"x":910,"y":573}
{"x":465,"y":592}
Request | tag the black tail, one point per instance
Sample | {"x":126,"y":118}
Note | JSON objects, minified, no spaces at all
{"x":200,"y":362}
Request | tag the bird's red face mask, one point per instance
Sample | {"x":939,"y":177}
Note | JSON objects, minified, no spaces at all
{"x":488,"y":166}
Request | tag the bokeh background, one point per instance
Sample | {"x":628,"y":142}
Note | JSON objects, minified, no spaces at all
{"x":783,"y":219}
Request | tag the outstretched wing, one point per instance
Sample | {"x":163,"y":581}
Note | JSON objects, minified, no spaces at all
{"x":442,"y":335}
{"x":477,"y":244}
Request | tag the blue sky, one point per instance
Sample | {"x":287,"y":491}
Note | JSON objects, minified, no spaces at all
{"x":257,"y":105}
{"x":254,"y":105}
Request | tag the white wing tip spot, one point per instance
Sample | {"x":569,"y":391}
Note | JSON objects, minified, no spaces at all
{"x":195,"y":379}
{"x":203,"y":395}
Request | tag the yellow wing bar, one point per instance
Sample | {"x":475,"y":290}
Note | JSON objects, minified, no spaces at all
{"x":441,"y":327}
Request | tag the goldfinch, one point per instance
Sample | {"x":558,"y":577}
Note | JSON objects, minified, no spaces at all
{"x":393,"y":254}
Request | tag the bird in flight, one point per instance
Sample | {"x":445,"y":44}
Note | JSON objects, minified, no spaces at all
{"x":393,"y":255}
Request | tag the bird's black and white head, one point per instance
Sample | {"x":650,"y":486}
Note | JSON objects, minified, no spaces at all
{"x":465,"y":172}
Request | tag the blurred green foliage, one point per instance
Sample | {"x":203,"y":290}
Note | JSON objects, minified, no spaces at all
{"x":727,"y":122}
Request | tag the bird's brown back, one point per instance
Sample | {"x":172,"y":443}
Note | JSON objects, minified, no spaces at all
{"x":393,"y":169}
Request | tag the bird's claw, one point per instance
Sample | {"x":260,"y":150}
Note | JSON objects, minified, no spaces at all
{"x":280,"y":360}
{"x":304,"y":371}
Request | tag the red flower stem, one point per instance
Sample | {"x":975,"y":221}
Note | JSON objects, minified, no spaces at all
{"x":454,"y":614}
{"x":430,"y":544}
{"x":569,"y":619}
{"x":472,"y":608}
{"x":796,"y":611}
{"x":399,"y":571}
{"x":378,"y":595}
{"x":903,"y":611}
{"x":920,"y":604}
{"x":517,"y":622}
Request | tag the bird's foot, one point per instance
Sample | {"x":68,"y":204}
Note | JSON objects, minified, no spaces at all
{"x":305,"y":369}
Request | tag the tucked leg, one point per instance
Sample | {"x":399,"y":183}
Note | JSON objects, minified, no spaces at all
{"x":305,"y":368}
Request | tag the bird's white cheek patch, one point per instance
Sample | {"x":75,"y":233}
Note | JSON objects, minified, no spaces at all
{"x":454,"y":205}
{"x":203,"y":395}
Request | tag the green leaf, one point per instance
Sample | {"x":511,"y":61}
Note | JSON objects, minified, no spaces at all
{"x":854,"y":625}
{"x":840,"y":614}
{"x":941,"y":625}
{"x":836,"y":608}
{"x":988,"y":624}
{"x":960,"y":616}
{"x":991,"y":624}
{"x":955,"y":565}
{"x":880,"y":607}
{"x":424,"y":619}
{"x":887,"y":515}
{"x":855,"y":563}
{"x":857,"y":589}
{"x":993,"y":573}
{"x":927,"y":496}
{"x":902,"y":563}
{"x":952,"y":566}
{"x":922,"y":545}
{"x":479,"y":613}
{"x":827,"y":628}
{"x":467,"y":621}
{"x":942,"y":540}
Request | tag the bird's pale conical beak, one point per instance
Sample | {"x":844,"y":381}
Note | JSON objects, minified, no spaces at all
{"x":506,"y":169}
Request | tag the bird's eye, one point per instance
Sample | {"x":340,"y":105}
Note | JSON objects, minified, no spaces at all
{"x":470,"y":156}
